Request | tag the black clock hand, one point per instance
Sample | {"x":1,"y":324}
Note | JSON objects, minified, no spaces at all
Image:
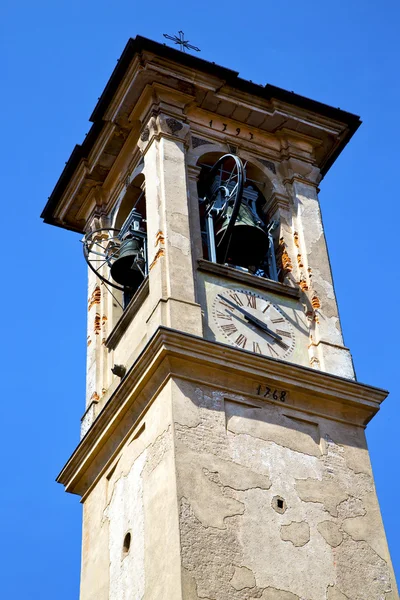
{"x":253,"y":319}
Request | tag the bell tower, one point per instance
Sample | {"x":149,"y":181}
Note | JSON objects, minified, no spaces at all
{"x":222,"y":452}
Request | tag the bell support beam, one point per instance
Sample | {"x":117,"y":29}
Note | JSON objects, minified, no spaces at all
{"x":163,"y":142}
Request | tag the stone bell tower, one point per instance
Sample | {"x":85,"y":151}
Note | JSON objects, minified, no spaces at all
{"x":223,"y":454}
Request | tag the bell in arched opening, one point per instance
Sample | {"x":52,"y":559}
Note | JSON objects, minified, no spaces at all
{"x":247,"y":245}
{"x":128,"y":268}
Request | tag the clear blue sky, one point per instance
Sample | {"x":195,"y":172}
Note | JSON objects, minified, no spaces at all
{"x":56,"y":57}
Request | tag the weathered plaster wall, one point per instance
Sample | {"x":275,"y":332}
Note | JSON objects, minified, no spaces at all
{"x":327,"y":350}
{"x":95,"y":579}
{"x":275,"y":504}
{"x":135,"y":495}
{"x":163,"y":143}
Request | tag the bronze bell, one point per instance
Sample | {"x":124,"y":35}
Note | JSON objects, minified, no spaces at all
{"x":127,"y":269}
{"x":248,"y":242}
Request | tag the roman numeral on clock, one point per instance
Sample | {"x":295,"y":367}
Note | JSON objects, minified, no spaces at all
{"x":251,"y":300}
{"x":221,"y":315}
{"x":236,"y":298}
{"x":241,"y":341}
{"x":272,"y":350}
{"x":285,"y":333}
{"x":279,"y":320}
{"x":229,"y":328}
{"x":225,"y":304}
{"x":256,"y":348}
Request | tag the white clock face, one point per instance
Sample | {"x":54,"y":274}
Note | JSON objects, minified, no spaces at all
{"x":252,"y":322}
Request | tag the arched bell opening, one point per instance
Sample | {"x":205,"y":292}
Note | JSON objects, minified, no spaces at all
{"x":235,"y":228}
{"x":134,"y":197}
{"x":118,"y":255}
{"x":129,"y":269}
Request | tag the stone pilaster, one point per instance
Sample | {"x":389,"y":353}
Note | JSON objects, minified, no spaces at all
{"x":194,"y":216}
{"x":279,"y":209}
{"x":163,"y":142}
{"x":98,"y":369}
{"x":326,"y":350}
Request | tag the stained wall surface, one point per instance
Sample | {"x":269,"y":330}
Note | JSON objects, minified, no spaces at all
{"x":136,"y":496}
{"x":229,"y":498}
{"x":274,"y":504}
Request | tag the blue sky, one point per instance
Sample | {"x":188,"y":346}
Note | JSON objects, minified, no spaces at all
{"x":55,"y":60}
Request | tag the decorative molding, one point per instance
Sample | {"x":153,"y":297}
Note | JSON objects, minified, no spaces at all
{"x":162,"y":125}
{"x":173,"y":354}
{"x":173,"y":124}
{"x":194,"y":172}
{"x":269,"y":164}
{"x":277,"y":202}
{"x":247,"y":278}
{"x":89,"y":415}
{"x":144,"y":136}
{"x":196,"y":142}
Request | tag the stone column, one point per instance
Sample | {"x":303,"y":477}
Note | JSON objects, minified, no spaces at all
{"x":279,"y":209}
{"x":163,"y":142}
{"x":194,"y":215}
{"x":326,"y":349}
{"x":98,"y":369}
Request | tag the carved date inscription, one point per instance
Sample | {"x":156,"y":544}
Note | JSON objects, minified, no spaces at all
{"x":273,"y":393}
{"x":237,"y":131}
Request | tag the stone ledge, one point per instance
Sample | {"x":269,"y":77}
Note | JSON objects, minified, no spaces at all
{"x":248,"y":279}
{"x":173,"y":354}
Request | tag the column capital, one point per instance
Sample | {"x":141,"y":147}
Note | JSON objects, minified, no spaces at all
{"x":194,"y":172}
{"x":277,"y":203}
{"x":163,"y":125}
{"x":294,"y":169}
{"x":298,"y":158}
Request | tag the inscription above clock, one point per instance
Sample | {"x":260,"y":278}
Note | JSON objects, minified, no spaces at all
{"x":252,"y":322}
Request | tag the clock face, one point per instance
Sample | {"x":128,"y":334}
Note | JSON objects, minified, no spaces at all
{"x":250,"y":321}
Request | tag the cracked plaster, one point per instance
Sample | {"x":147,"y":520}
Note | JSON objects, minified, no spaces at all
{"x":367,"y":529}
{"x":296,"y":533}
{"x":362,"y":574}
{"x":269,"y":424}
{"x":334,"y":593}
{"x":324,"y":492}
{"x":233,"y":544}
{"x":243,"y":578}
{"x":125,"y":512}
{"x":331,"y":533}
{"x":209,"y":554}
{"x":275,"y":594}
{"x":312,"y":484}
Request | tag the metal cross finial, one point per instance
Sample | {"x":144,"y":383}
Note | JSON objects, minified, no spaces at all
{"x":184,"y":44}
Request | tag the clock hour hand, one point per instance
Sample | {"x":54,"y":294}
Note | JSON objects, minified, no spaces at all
{"x":249,"y":317}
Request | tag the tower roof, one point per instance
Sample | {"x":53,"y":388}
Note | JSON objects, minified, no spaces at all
{"x":130,"y":70}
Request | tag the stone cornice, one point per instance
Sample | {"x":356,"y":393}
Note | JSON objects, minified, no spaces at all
{"x":248,"y":279}
{"x":170,"y":353}
{"x":187,"y":80}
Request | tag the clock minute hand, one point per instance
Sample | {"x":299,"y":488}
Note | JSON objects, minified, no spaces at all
{"x":252,"y":318}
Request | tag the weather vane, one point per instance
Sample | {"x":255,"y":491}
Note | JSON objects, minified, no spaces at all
{"x":184,"y":44}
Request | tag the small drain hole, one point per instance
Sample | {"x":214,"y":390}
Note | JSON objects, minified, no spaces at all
{"x":127,"y":543}
{"x":278,"y":504}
